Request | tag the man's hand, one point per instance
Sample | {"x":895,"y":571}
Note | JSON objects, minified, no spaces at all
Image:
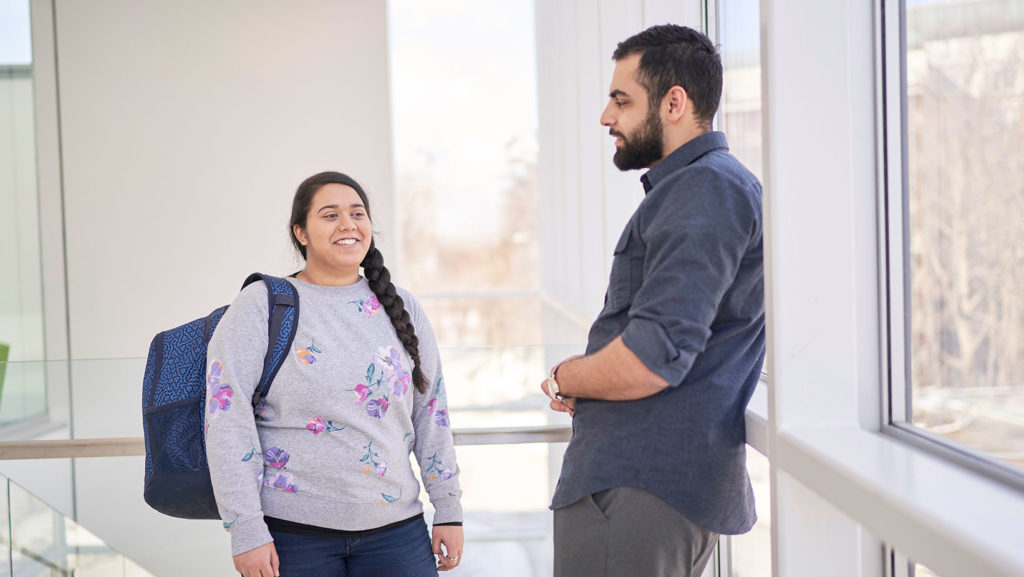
{"x":450,"y":536}
{"x":259,"y":562}
{"x":566,"y":405}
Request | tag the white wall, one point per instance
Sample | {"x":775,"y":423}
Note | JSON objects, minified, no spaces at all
{"x":186,"y":127}
{"x":180,"y":131}
{"x":587,"y":201}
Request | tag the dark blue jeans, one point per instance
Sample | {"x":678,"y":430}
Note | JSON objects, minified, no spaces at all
{"x":402,"y":551}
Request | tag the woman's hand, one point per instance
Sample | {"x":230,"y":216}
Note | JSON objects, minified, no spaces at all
{"x":451,"y":537}
{"x":262,"y":561}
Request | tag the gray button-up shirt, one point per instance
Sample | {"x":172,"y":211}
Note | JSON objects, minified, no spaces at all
{"x":687,"y":295}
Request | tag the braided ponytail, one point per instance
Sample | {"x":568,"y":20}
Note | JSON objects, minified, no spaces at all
{"x":379,"y":279}
{"x":377,"y":274}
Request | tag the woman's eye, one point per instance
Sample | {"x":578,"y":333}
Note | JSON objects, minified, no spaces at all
{"x":359,"y":214}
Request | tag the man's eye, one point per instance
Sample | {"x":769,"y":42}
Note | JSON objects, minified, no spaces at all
{"x":620,"y":103}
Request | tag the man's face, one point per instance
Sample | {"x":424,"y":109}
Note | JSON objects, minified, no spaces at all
{"x":628,"y":116}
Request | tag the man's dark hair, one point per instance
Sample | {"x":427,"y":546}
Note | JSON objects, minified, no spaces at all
{"x":674,"y":55}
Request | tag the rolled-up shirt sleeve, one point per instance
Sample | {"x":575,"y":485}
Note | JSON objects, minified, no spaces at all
{"x":693,"y":239}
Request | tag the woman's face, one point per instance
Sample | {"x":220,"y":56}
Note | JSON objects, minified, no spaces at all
{"x":338,"y":231}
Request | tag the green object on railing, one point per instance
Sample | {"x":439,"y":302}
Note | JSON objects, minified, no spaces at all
{"x":5,"y":349}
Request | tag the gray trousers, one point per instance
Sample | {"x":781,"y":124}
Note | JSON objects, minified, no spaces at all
{"x":628,"y":532}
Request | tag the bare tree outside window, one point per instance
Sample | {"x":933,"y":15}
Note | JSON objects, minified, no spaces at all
{"x":465,"y":131}
{"x":965,"y":84}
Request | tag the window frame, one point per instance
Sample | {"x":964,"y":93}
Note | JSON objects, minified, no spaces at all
{"x":756,"y":416}
{"x":34,"y":419}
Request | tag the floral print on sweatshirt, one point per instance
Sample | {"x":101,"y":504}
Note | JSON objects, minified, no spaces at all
{"x":281,"y":480}
{"x":370,"y":305}
{"x":372,"y":461}
{"x":318,"y":425}
{"x":390,"y":360}
{"x":251,"y":453}
{"x":437,"y":470}
{"x":339,"y":424}
{"x":278,"y":477}
{"x":440,"y":400}
{"x":220,"y":392}
{"x":385,"y":378}
{"x":305,"y":354}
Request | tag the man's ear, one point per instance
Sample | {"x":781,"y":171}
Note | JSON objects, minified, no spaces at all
{"x":675,"y":104}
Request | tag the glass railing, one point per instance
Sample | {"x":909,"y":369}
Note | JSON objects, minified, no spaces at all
{"x":487,"y":386}
{"x":505,"y":498}
{"x":36,"y":541}
{"x":496,"y":410}
{"x":510,"y":453}
{"x":750,"y":554}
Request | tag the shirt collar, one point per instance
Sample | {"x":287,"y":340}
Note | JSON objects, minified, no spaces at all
{"x":682,"y":157}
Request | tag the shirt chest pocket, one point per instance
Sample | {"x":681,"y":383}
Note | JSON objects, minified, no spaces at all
{"x":627,"y":271}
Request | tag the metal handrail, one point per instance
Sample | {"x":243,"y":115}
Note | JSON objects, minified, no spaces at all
{"x":135,"y":446}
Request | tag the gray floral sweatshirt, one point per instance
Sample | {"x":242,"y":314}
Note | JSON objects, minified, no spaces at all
{"x":330,"y":444}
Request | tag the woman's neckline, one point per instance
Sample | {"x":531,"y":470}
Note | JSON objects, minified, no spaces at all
{"x":360,"y":282}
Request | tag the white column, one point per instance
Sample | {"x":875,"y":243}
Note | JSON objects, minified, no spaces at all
{"x":820,"y":257}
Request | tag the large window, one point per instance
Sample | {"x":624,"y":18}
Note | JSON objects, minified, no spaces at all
{"x":464,"y":101}
{"x":465,"y":130}
{"x":963,"y":236}
{"x":22,"y":382}
{"x":739,"y":41}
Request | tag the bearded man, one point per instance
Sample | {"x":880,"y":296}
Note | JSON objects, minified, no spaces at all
{"x":656,"y":468}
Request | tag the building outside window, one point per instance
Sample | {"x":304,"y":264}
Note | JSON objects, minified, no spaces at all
{"x":965,"y":239}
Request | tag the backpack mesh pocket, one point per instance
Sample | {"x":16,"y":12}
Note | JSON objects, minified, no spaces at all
{"x":176,"y":437}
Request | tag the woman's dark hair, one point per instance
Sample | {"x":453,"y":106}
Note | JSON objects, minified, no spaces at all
{"x":376,"y":273}
{"x":677,"y":56}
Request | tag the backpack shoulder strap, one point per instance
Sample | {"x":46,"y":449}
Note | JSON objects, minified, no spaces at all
{"x":283,"y":301}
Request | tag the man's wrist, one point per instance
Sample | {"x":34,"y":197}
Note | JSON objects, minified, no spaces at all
{"x":554,"y":387}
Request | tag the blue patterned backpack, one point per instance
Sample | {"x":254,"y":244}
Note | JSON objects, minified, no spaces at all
{"x":174,"y":398}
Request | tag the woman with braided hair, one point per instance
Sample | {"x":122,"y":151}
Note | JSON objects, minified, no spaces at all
{"x":317,"y":480}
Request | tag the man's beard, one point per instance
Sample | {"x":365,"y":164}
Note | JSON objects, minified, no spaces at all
{"x":643,"y":148}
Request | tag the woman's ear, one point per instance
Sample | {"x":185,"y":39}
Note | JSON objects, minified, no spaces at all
{"x":300,"y":234}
